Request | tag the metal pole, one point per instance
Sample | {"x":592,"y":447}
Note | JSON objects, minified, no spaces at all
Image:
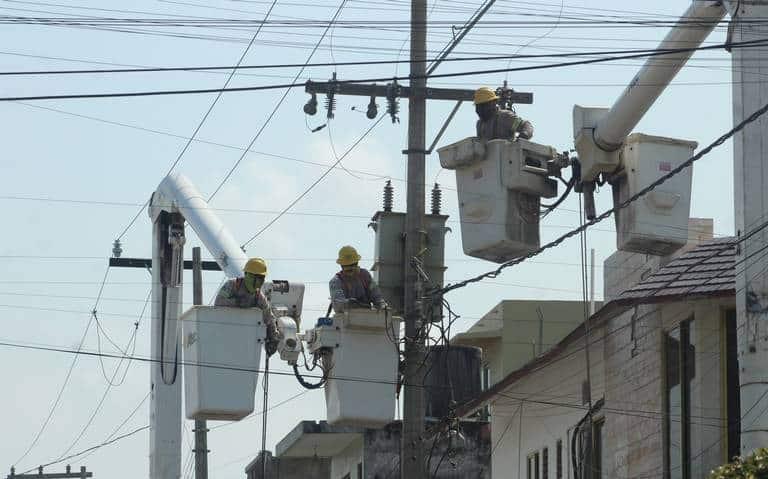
{"x":412,"y":460}
{"x":750,"y":153}
{"x":201,"y":427}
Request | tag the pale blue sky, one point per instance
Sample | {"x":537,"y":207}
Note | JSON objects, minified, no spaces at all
{"x":53,"y":154}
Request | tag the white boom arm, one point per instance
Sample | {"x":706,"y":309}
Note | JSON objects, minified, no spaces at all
{"x":175,"y":202}
{"x":599,"y":133}
{"x":657,"y":73}
{"x":177,"y":193}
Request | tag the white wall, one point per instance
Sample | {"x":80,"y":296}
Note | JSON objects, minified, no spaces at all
{"x":551,"y":403}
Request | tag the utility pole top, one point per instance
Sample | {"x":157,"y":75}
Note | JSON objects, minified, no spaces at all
{"x":81,"y":474}
{"x":358,"y":89}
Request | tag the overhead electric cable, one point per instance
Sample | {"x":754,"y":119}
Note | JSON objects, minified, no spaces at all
{"x":655,"y":53}
{"x":514,"y":56}
{"x":315,"y":183}
{"x":205,"y":116}
{"x":278,"y":105}
{"x":59,"y":395}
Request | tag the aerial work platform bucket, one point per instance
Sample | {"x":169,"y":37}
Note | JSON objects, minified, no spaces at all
{"x":363,"y":378}
{"x":500,"y":185}
{"x":221,"y":350}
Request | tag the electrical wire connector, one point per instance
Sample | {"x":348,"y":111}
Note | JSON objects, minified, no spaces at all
{"x":330,"y":97}
{"x":373,"y":109}
{"x":505,"y":97}
{"x":310,"y":108}
{"x":117,"y":249}
{"x":393,"y":102}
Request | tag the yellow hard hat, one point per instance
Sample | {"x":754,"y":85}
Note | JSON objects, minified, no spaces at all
{"x":256,"y":266}
{"x":484,"y":95}
{"x":347,"y":256}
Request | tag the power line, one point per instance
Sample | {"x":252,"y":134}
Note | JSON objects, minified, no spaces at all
{"x":315,"y":183}
{"x":93,"y":448}
{"x":747,"y":44}
{"x":67,"y":377}
{"x":206,"y":115}
{"x":278,"y":105}
{"x":275,"y":66}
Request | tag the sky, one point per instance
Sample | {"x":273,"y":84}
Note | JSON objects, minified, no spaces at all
{"x":74,"y":173}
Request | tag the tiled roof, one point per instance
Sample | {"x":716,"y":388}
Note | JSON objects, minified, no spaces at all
{"x":708,"y":269}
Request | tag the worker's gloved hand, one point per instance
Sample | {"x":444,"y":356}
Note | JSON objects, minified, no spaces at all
{"x":273,"y":339}
{"x":382,"y":306}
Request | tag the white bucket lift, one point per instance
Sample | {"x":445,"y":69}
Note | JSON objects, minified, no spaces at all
{"x":658,"y":222}
{"x":364,"y":366}
{"x":500,"y":185}
{"x":222,"y":350}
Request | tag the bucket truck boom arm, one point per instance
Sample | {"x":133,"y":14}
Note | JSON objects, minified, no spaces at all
{"x":599,"y":132}
{"x":176,"y":202}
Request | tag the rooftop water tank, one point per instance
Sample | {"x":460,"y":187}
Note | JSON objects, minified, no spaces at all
{"x":453,"y":374}
{"x":658,"y":222}
{"x":500,"y":185}
{"x":361,"y":388}
{"x":221,"y":350}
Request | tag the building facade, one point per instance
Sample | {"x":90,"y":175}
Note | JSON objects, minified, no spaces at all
{"x":662,"y":382}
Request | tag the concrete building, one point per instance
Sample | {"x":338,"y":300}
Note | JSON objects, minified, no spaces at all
{"x":516,"y":331}
{"x":318,"y":450}
{"x":664,"y":378}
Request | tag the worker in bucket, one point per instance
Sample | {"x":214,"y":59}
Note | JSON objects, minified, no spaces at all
{"x":246,"y":292}
{"x":495,"y":123}
{"x":353,"y":286}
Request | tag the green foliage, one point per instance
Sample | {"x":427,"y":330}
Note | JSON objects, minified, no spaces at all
{"x":754,"y":466}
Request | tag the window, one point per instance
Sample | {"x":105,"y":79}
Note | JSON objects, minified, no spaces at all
{"x":559,"y":459}
{"x":359,"y":470}
{"x":545,"y":464}
{"x":680,"y":370}
{"x":597,"y":441}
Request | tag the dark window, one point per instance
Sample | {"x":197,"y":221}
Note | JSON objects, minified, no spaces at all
{"x":545,"y":464}
{"x":597,"y":441}
{"x":680,"y":370}
{"x":733,"y":404}
{"x":536,"y":466}
{"x":359,"y":470}
{"x":559,"y":459}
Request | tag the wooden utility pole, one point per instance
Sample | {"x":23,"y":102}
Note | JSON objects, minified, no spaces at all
{"x":201,"y":426}
{"x":412,"y":460}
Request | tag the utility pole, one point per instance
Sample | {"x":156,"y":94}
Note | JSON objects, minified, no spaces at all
{"x":412,"y":459}
{"x":201,"y":426}
{"x":750,"y":150}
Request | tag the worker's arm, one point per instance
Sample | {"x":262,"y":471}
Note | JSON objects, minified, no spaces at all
{"x":268,"y":315}
{"x":525,"y":130}
{"x":374,"y":293}
{"x":338,"y":298}
{"x":225,"y":296}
